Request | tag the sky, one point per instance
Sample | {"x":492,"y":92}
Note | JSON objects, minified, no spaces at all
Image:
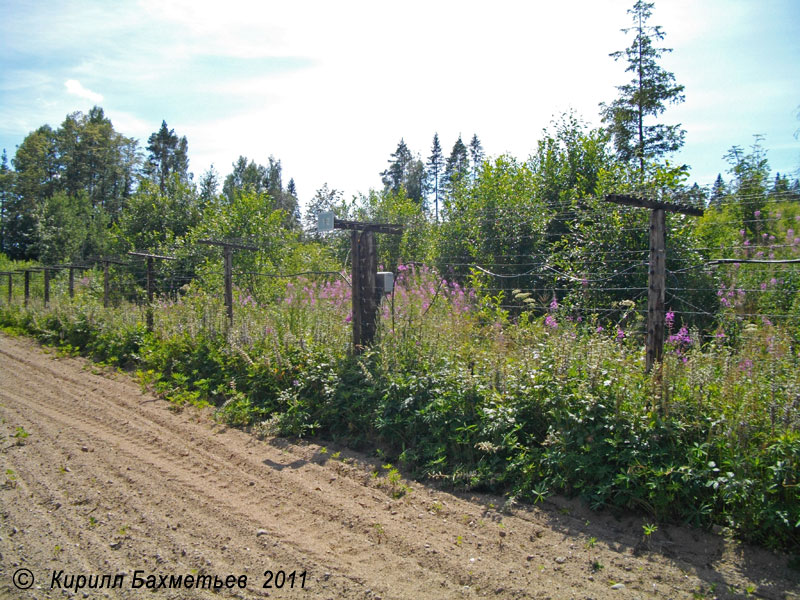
{"x":330,"y":88}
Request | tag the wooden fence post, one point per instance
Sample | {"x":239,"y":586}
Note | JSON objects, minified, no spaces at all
{"x":364,"y":257}
{"x":27,"y":286}
{"x":228,"y":248}
{"x":150,"y":258}
{"x":657,"y":274}
{"x":10,"y":283}
{"x":656,"y":289}
{"x":46,"y":287}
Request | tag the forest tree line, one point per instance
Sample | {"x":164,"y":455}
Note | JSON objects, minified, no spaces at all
{"x":84,"y":190}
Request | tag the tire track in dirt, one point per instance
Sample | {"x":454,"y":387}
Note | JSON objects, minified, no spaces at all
{"x":160,"y":456}
{"x":176,"y":493}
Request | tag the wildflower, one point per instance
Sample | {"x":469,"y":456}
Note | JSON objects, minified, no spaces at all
{"x":348,"y":319}
{"x":720,"y":335}
{"x":669,"y":318}
{"x":599,"y":328}
{"x":620,"y":334}
{"x":550,"y":321}
{"x":554,"y":304}
{"x":682,"y":337}
{"x":757,"y":214}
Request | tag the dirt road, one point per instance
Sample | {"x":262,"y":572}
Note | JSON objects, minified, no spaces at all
{"x":104,"y":485}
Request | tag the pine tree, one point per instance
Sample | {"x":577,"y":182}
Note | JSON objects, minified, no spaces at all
{"x":644,"y":96}
{"x":435,"y":168}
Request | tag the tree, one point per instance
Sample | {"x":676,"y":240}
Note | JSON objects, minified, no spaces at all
{"x":476,"y":155}
{"x":435,"y":169}
{"x":6,"y":196}
{"x":405,"y":173}
{"x":96,"y":160}
{"x":456,"y":167}
{"x":209,"y":184}
{"x":644,"y":96}
{"x":394,"y":177}
{"x":168,"y":155}
{"x":718,"y":190}
{"x":750,"y":183}
{"x":325,"y":199}
{"x":36,"y":179}
{"x":252,"y":178}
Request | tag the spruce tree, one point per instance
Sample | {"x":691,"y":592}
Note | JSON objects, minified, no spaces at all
{"x":476,"y":156}
{"x":456,"y":166}
{"x":394,"y":177}
{"x":435,"y":168}
{"x":645,"y":96}
{"x":168,"y":155}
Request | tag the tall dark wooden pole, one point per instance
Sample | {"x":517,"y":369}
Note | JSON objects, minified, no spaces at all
{"x":10,"y":283}
{"x":228,"y":248}
{"x":228,"y":259}
{"x":365,"y":303}
{"x":27,"y":286}
{"x":657,"y":274}
{"x":46,"y":287}
{"x":364,"y":256}
{"x":106,"y":286}
{"x":656,"y":289}
{"x":149,"y":282}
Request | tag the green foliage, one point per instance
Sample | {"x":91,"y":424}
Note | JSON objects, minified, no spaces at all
{"x":458,"y":391}
{"x":644,"y":96}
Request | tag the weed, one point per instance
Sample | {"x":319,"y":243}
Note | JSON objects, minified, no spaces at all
{"x":590,"y":543}
{"x":649,"y":529}
{"x":379,"y":531}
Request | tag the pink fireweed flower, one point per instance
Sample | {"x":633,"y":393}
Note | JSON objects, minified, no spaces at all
{"x":682,"y":337}
{"x":550,"y":321}
{"x":620,"y":334}
{"x":669,"y":318}
{"x":554,"y":304}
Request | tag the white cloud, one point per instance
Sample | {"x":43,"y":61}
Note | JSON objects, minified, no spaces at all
{"x":75,"y":88}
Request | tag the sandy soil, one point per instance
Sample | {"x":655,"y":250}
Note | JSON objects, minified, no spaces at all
{"x":99,"y":478}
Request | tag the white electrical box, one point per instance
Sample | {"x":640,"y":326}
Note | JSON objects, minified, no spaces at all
{"x":325,"y":221}
{"x":384,"y":282}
